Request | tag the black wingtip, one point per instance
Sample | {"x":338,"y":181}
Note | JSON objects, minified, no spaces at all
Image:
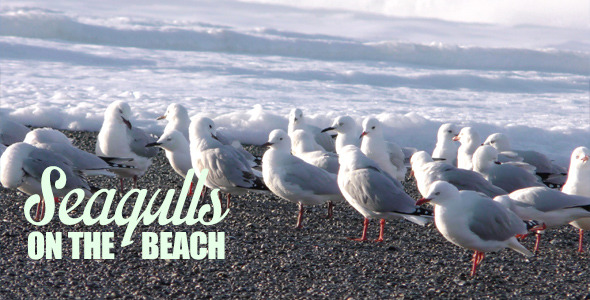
{"x":533,"y":225}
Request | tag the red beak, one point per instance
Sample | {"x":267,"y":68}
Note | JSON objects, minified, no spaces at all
{"x":585,"y":158}
{"x":456,"y":138}
{"x":422,"y":201}
{"x":363,"y":134}
{"x":126,"y":122}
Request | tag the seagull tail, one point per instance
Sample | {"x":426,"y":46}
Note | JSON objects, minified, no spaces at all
{"x":516,"y":246}
{"x":420,"y":216}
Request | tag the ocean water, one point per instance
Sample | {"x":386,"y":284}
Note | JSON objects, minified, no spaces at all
{"x":246,"y":64}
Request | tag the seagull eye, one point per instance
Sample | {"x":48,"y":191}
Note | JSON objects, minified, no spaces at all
{"x":210,"y":126}
{"x":373,"y":127}
{"x":492,"y":142}
{"x":340,"y":124}
{"x":437,"y":193}
{"x":450,"y":131}
{"x":120,"y":111}
{"x":280,"y":139}
{"x":168,"y":139}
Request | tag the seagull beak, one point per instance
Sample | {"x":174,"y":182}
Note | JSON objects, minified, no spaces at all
{"x":328,"y":129}
{"x":267,"y":144}
{"x":153,"y":144}
{"x":363,"y":134}
{"x":422,"y":201}
{"x":497,"y":162}
{"x":585,"y":158}
{"x":456,"y":138}
{"x":126,"y":122}
{"x":161,"y":117}
{"x":213,"y":136}
{"x":295,"y":119}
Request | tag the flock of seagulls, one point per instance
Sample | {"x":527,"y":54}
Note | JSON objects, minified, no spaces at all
{"x":485,"y":195}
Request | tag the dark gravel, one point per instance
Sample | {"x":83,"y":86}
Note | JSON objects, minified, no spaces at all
{"x":267,"y":258}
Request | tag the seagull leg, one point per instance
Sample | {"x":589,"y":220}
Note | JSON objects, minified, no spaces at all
{"x":134,"y":181}
{"x":190,"y":190}
{"x":381,"y":230}
{"x":300,"y":216}
{"x":56,"y":199}
{"x":122,"y":188}
{"x":38,"y":212}
{"x":364,"y":236}
{"x":330,"y":210}
{"x":537,"y":242}
{"x":42,"y":208}
{"x":228,"y":200}
{"x":477,"y":258}
{"x":580,"y":242}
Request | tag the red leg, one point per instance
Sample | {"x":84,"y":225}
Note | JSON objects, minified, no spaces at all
{"x":38,"y":212}
{"x":537,"y":242}
{"x":381,"y":230}
{"x":190,"y":190}
{"x":228,"y":200}
{"x":42,"y":208}
{"x":477,"y":258}
{"x":122,"y":187}
{"x":330,"y":210}
{"x":299,"y":217}
{"x":364,"y":236}
{"x":134,"y":181}
{"x":203,"y":192}
{"x":581,"y":241}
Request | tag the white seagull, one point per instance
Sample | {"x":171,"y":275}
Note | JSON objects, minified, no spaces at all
{"x":294,"y":180}
{"x":305,"y":147}
{"x":426,"y":171}
{"x":552,"y":207}
{"x":374,"y":193}
{"x":118,"y":138}
{"x":178,"y":119}
{"x":504,"y":175}
{"x":548,"y":171}
{"x":178,"y":153}
{"x":446,"y":148}
{"x":389,"y":156}
{"x":470,"y":140}
{"x":474,"y":221}
{"x":297,"y":121}
{"x":57,"y":142}
{"x":229,"y":170}
{"x":348,"y":132}
{"x":22,"y":166}
{"x":578,"y":183}
{"x":11,"y":132}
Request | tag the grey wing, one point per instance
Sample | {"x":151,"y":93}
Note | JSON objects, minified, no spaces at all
{"x":138,"y":141}
{"x":396,"y":156}
{"x":80,"y":159}
{"x":512,"y":178}
{"x":226,"y":168}
{"x":467,"y":180}
{"x":311,"y":178}
{"x":40,"y":159}
{"x":546,"y":199}
{"x":2,"y":149}
{"x":378,"y":192}
{"x":493,"y":222}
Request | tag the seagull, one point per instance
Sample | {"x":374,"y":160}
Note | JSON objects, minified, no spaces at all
{"x":178,"y":153}
{"x":446,"y":149}
{"x":548,"y":171}
{"x":118,"y":138}
{"x":294,"y":180}
{"x":296,"y":121}
{"x":577,"y":183}
{"x":552,"y":207}
{"x":11,"y":132}
{"x":389,"y":156}
{"x":506,"y":176}
{"x":474,"y":221}
{"x":348,"y":133}
{"x":426,"y":171}
{"x":57,"y":142}
{"x":178,"y":119}
{"x":374,"y":193}
{"x":22,"y":166}
{"x":469,"y":140}
{"x":305,"y":147}
{"x":229,"y":171}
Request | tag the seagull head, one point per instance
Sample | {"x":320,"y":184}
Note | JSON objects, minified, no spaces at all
{"x":371,"y":127}
{"x":46,"y":135}
{"x":467,"y":136}
{"x":295,"y":115}
{"x":420,"y":158}
{"x":170,"y":140}
{"x":342,"y":124}
{"x":580,"y":157}
{"x":447,"y":132}
{"x":119,"y":111}
{"x":439,"y":193}
{"x":278,"y":139}
{"x":202,"y":127}
{"x":499,"y":141}
{"x":302,"y":141}
{"x":484,"y":156}
{"x":174,"y":112}
{"x":12,"y":174}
